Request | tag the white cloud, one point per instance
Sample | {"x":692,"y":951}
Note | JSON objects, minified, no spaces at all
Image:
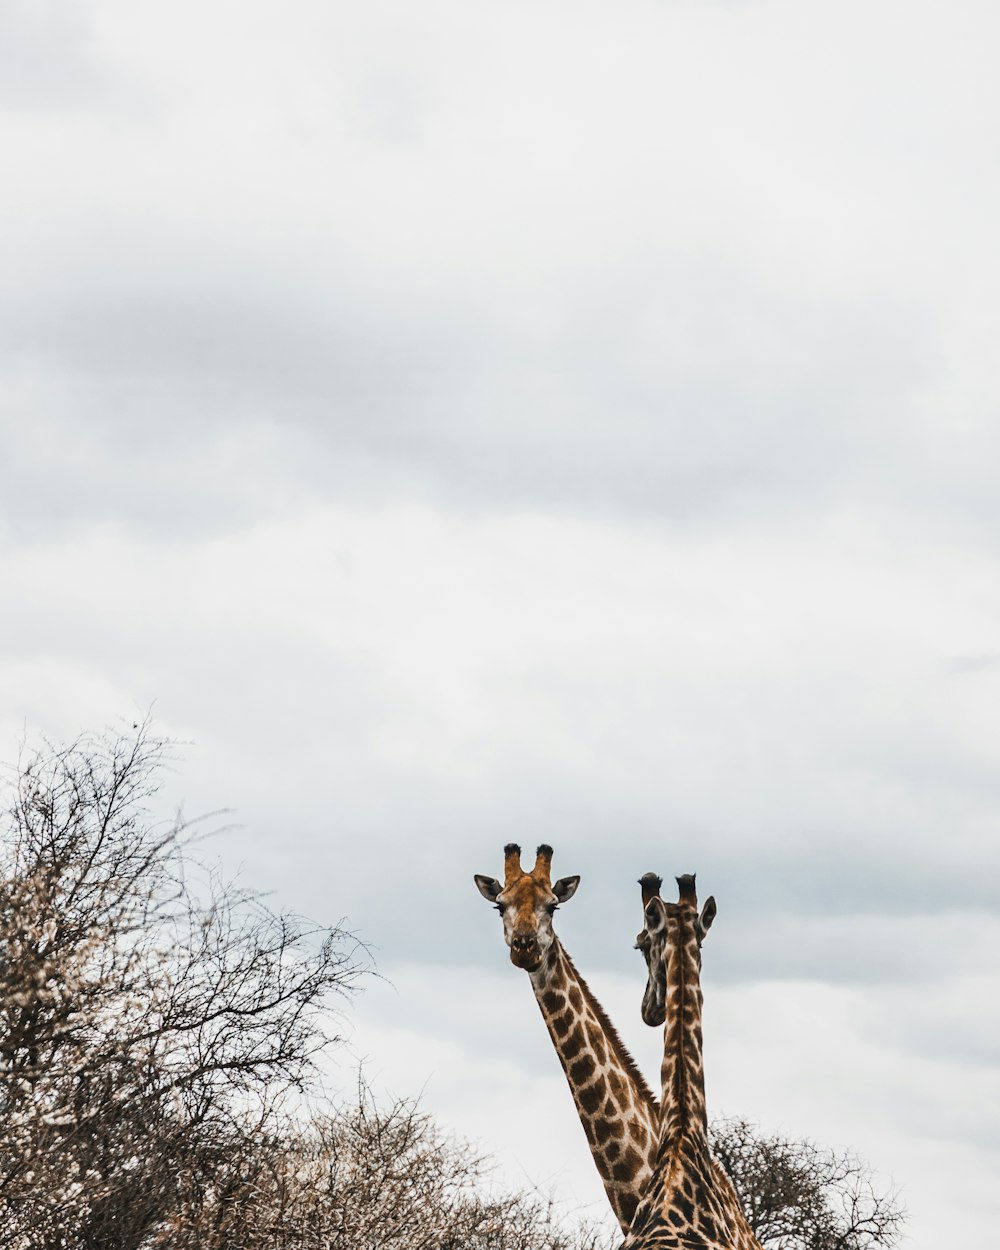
{"x":468,"y":422}
{"x":470,"y":246}
{"x":786,"y":701}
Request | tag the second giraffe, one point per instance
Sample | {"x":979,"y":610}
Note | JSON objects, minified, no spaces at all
{"x":690,"y":1203}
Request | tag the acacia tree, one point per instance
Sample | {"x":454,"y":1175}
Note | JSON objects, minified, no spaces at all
{"x":800,"y":1196}
{"x":366,"y":1177}
{"x":147,"y":1019}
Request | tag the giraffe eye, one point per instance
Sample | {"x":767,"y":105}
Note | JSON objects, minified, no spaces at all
{"x":551,"y":907}
{"x":501,"y":908}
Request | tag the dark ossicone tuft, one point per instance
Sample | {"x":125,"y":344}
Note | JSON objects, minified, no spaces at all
{"x":650,"y":882}
{"x":685,"y":884}
{"x":512,"y":849}
{"x":544,"y":849}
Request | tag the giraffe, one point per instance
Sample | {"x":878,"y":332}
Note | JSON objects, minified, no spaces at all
{"x":690,"y":1203}
{"x":615,"y":1105}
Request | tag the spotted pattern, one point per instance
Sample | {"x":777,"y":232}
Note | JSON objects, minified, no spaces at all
{"x":615,"y":1106}
{"x":690,"y":1203}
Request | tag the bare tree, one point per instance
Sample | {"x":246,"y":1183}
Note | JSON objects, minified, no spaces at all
{"x":145,"y":1019}
{"x":371,"y":1178}
{"x":800,"y":1196}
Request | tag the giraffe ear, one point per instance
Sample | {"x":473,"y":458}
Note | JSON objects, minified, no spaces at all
{"x":707,"y":915}
{"x":565,"y":888}
{"x":655,"y":913}
{"x":489,"y":887}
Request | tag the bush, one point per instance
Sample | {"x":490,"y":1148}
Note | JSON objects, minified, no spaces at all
{"x":800,"y":1196}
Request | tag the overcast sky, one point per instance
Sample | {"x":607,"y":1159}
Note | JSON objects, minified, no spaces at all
{"x":470,"y":422}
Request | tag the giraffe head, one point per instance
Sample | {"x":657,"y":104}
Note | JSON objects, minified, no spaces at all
{"x":526,"y":900}
{"x":668,"y":925}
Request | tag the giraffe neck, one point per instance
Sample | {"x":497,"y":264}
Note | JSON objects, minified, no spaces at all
{"x":690,"y":1202}
{"x":684,"y":1115}
{"x":614,"y":1103}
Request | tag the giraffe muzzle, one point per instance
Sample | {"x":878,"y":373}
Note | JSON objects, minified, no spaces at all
{"x":654,"y":1007}
{"x":524,"y":951}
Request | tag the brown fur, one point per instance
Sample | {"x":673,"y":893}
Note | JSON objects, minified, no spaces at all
{"x":618,"y":1048}
{"x":690,"y":1203}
